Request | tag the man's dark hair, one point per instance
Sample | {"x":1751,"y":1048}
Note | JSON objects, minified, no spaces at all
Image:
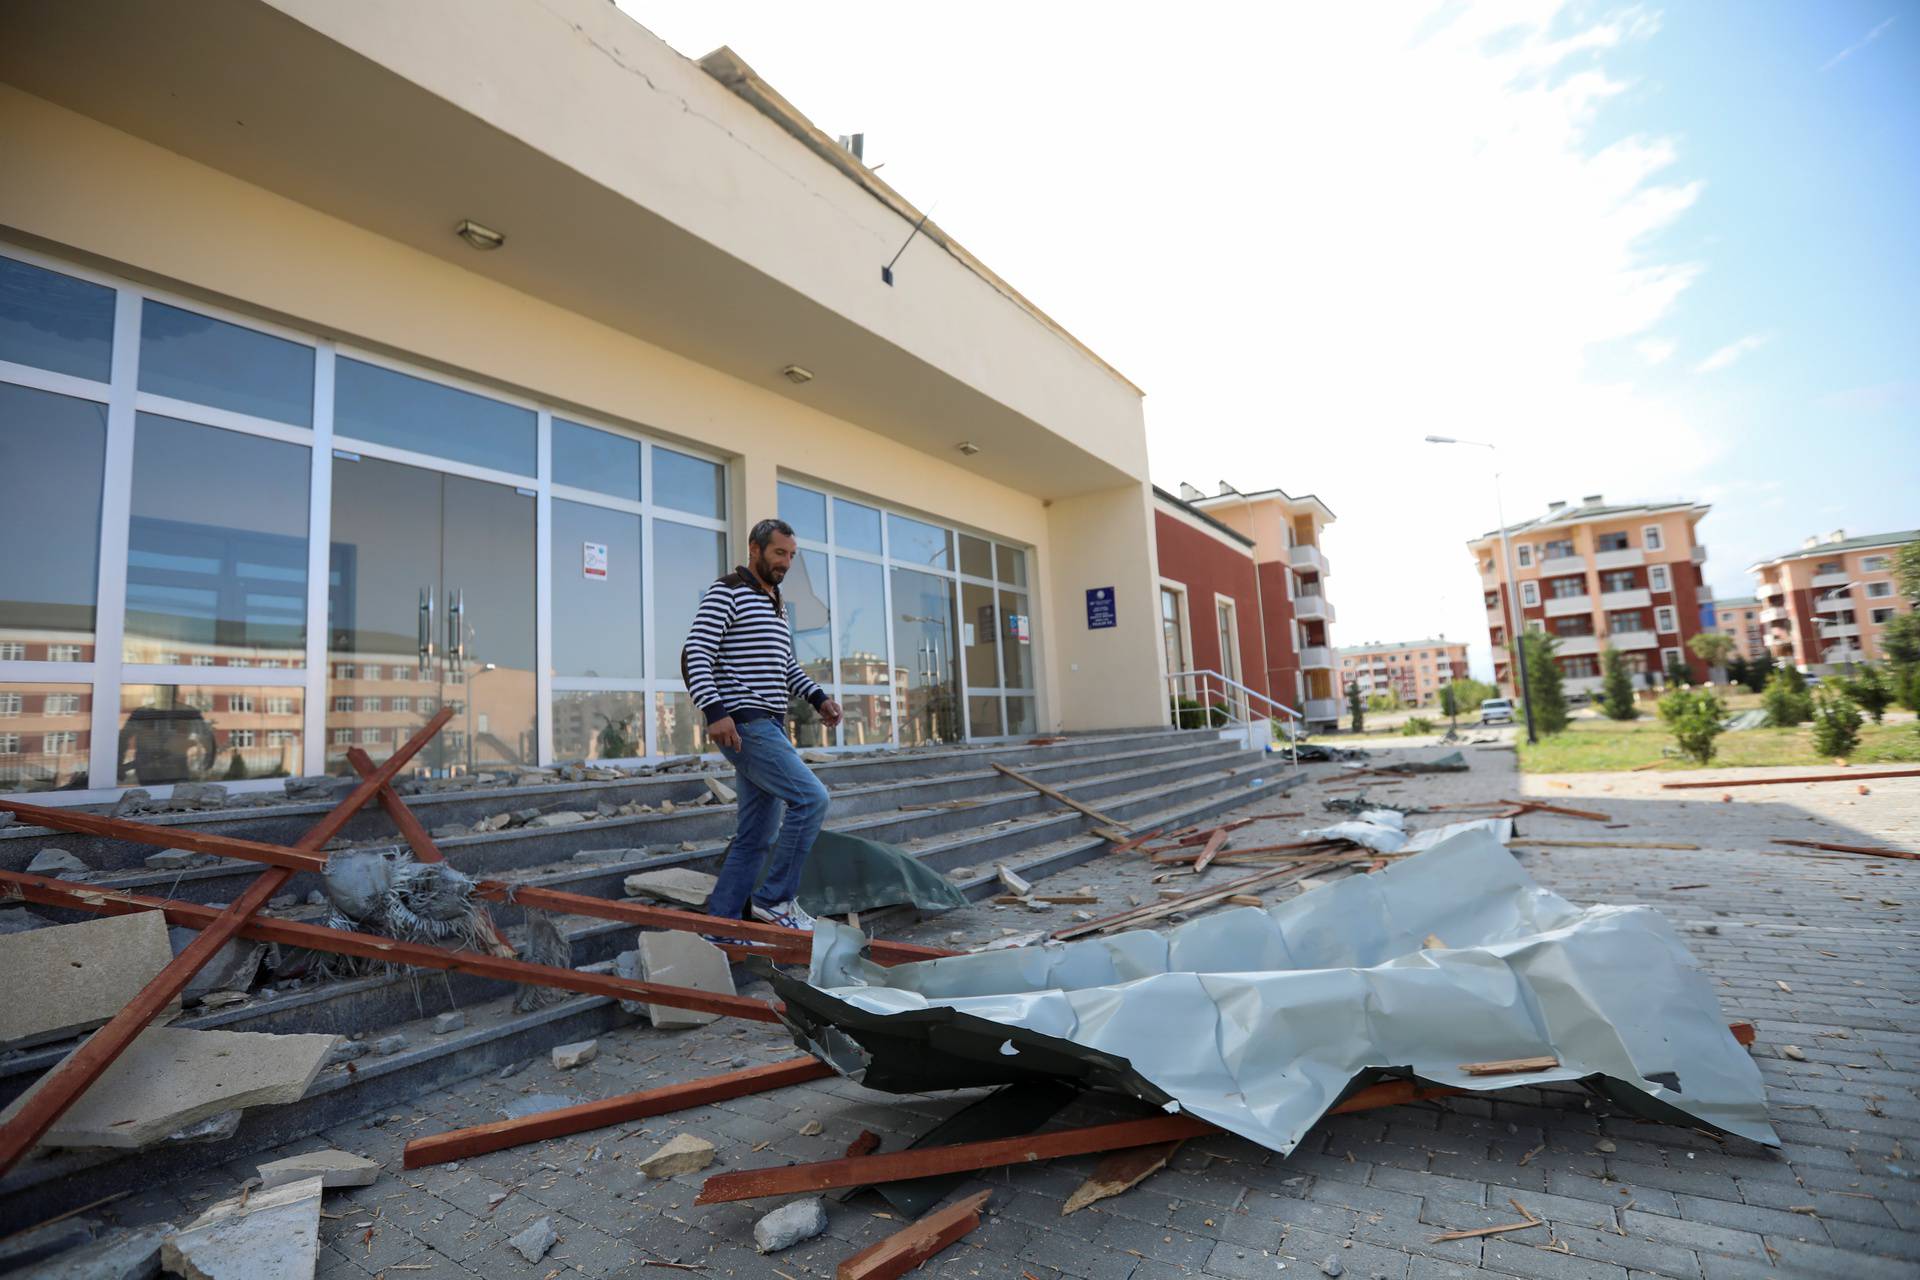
{"x":762,"y":535}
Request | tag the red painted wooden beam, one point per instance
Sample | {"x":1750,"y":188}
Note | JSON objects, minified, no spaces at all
{"x":1781,"y":782}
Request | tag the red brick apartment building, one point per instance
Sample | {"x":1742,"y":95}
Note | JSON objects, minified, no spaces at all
{"x":1414,"y":669}
{"x":1596,"y":576}
{"x":1825,"y":605}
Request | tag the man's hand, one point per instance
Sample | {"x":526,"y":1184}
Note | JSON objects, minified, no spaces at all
{"x":724,"y":732}
{"x":830,"y":713}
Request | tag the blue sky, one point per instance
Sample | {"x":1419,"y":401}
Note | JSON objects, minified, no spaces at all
{"x":1651,"y":251}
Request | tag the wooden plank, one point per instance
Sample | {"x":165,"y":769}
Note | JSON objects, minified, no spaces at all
{"x":904,"y":1250}
{"x":479,"y":1139}
{"x":369,"y":946}
{"x":1870,"y":850}
{"x":923,"y":1162}
{"x":417,"y":838}
{"x":1541,"y":806}
{"x":295,"y":859}
{"x":62,"y":1086}
{"x":1155,"y":910}
{"x":1605,"y":844}
{"x":1068,"y":801}
{"x":1214,"y":844}
{"x":1510,"y":1066}
{"x":1120,"y":1171}
{"x":1800,"y":777}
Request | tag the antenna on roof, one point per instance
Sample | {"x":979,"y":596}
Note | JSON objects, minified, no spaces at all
{"x":856,"y":143}
{"x":886,"y":272}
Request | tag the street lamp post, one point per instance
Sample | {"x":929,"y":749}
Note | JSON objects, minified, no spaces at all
{"x":1511,"y":610}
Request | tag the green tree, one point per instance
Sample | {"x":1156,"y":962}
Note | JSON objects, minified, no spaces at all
{"x":1757,"y":672}
{"x":1906,"y":571}
{"x":1356,"y":708}
{"x":1544,"y":692}
{"x":1871,"y":691}
{"x":1694,"y":716}
{"x":1786,"y":700}
{"x":1900,"y":640}
{"x":1712,"y":647}
{"x":237,"y":769}
{"x":1449,"y":702}
{"x":1836,"y":723}
{"x":1679,"y":675}
{"x":617,"y":739}
{"x":1616,"y":687}
{"x":1468,"y":694}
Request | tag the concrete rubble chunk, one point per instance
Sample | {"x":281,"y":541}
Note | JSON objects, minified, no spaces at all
{"x":1014,"y":882}
{"x":333,"y":1168}
{"x":672,"y":884}
{"x":197,"y":795}
{"x":215,"y":1128}
{"x":268,"y":1235}
{"x":578,"y":1054}
{"x":559,"y":818}
{"x":449,"y":1022}
{"x":685,"y":1154}
{"x":131,"y":1255}
{"x":175,"y":860}
{"x":533,"y":1242}
{"x":132,"y":800}
{"x":682,"y":960}
{"x":171,"y":1078}
{"x":721,"y":791}
{"x":788,"y":1225}
{"x":233,"y":967}
{"x":74,"y":976}
{"x":386,"y":1046}
{"x":57,"y":863}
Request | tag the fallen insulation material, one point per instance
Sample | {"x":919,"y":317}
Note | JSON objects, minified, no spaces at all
{"x":1259,"y":1021}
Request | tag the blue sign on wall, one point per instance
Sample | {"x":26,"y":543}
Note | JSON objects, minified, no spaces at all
{"x":1099,"y":608}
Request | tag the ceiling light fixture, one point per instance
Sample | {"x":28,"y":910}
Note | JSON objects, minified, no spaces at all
{"x":479,"y":237}
{"x":968,"y":447}
{"x":796,"y":375}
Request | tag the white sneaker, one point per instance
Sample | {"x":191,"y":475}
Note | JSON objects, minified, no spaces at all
{"x":788,"y":915}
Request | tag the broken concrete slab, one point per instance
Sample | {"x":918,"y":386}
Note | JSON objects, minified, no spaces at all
{"x":683,"y":960}
{"x":74,"y":976}
{"x":578,"y":1054}
{"x":533,"y":1242}
{"x":558,"y":818}
{"x":721,"y":791}
{"x":175,"y":860}
{"x":233,"y":967}
{"x":57,"y":863}
{"x":671,"y":884}
{"x":171,"y":1078}
{"x":685,"y":1154}
{"x":790,"y":1224}
{"x":267,"y":1235}
{"x":132,"y":1255}
{"x":23,"y":921}
{"x":333,"y":1168}
{"x":449,"y":1022}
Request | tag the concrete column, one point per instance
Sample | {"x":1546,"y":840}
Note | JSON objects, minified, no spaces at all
{"x":1108,"y":678}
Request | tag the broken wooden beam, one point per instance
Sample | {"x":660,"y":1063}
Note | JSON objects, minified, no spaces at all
{"x":1607,"y":844}
{"x":1801,"y":777}
{"x":1511,"y":1066}
{"x":1118,"y":826}
{"x":904,"y":1250}
{"x":1215,"y":843}
{"x":1120,"y":1171}
{"x":479,"y":1139}
{"x":62,"y":1086}
{"x":1541,"y":806}
{"x":1867,"y":849}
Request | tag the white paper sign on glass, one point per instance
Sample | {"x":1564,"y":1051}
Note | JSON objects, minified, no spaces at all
{"x":593,"y":559}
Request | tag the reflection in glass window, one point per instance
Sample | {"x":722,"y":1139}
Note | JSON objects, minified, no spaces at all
{"x":1016,"y":640}
{"x":587,"y":458}
{"x":193,"y":357}
{"x":1013,"y":566}
{"x":867,"y":719}
{"x":685,"y":563}
{"x":978,"y":628}
{"x":804,"y":725}
{"x":1020,"y":714}
{"x":976,"y":556}
{"x":44,"y":736}
{"x":983,"y":717}
{"x":181,"y":733}
{"x":805,"y":595}
{"x":915,"y":542}
{"x":678,"y":727}
{"x":596,"y":591}
{"x":805,"y":510}
{"x":384,"y":407}
{"x":52,"y":456}
{"x":855,"y":527}
{"x":217,"y":545}
{"x":689,"y":484}
{"x":861,"y":628}
{"x":925,"y":651}
{"x":54,"y":321}
{"x":599,"y":725}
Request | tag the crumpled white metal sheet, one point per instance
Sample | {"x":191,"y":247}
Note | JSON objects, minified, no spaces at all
{"x":1259,"y":1020}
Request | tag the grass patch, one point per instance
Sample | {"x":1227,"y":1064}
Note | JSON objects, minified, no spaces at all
{"x":1595,"y":746}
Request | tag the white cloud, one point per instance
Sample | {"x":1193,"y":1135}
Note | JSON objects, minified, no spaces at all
{"x":1655,"y":350}
{"x":1856,"y":47}
{"x":1726,"y":355}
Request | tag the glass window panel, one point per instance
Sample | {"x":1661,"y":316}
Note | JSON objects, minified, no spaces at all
{"x":587,"y":458}
{"x":983,"y":717}
{"x":862,"y":626}
{"x":915,"y":542}
{"x":924,"y":646}
{"x":805,"y":510}
{"x":855,"y":527}
{"x":678,"y":727}
{"x":804,"y":725}
{"x":1013,"y":565}
{"x":54,"y":321}
{"x":601,"y":725}
{"x":805,"y":595}
{"x":596,"y":591}
{"x":52,"y":456}
{"x":976,"y":556}
{"x":217,"y":546}
{"x":45,"y":735}
{"x":978,"y":626}
{"x":1016,"y":640}
{"x":195,"y":733}
{"x":193,"y":357}
{"x":397,"y":409}
{"x":1020,"y":714}
{"x":685,"y":563}
{"x":867,"y":719}
{"x":688,"y":484}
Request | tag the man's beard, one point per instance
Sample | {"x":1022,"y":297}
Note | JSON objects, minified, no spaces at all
{"x":768,"y":573}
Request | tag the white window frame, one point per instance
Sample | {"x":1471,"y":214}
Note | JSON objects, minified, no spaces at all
{"x":1880,"y":617}
{"x":1668,"y":656}
{"x":1651,"y":537}
{"x":1529,"y":594}
{"x":1879,"y":590}
{"x":1657,"y":579}
{"x":1665,"y":618}
{"x":1873,"y":564}
{"x":1186,"y":621}
{"x":1523,"y":555}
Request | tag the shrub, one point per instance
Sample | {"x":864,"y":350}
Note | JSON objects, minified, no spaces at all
{"x":1694,"y":717}
{"x":1544,"y":693}
{"x":1871,"y":691}
{"x":1356,"y":708}
{"x":1756,"y":673}
{"x":1415,"y":726}
{"x":1469,"y":693}
{"x":1836,"y":723}
{"x":237,"y":769}
{"x":1785,"y":699}
{"x":1616,"y":688}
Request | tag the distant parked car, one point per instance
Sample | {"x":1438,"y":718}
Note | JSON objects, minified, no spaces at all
{"x":1496,"y":711}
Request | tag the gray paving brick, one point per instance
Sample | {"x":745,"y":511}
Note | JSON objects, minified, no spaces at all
{"x":1417,"y":1238}
{"x":1368,"y":1201}
{"x":1238,"y":1262}
{"x":1546,"y":1264}
{"x":1423,"y":1268}
{"x":1708,"y":1236}
{"x":1812,"y":1259}
{"x":1305,"y":1250}
{"x":1430,"y":1185}
{"x":1886,"y":1241}
{"x":1630,"y":1251}
{"x":1121,"y":1236}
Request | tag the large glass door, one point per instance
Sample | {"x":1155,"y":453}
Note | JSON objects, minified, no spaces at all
{"x":430,"y":602}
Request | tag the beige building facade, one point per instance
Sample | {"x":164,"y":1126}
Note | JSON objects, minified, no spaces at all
{"x":360,"y":359}
{"x":1739,"y":617}
{"x":1826,"y":605}
{"x":1415,"y":670}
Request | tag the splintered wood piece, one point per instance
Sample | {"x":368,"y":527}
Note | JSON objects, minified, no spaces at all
{"x":1541,"y":806}
{"x":1120,"y":1171}
{"x":904,"y":1250}
{"x":1188,"y":902}
{"x":1607,"y":844}
{"x":1433,"y":943}
{"x":1510,"y":1066}
{"x":865,"y":1145}
{"x":1215,"y":843}
{"x":460,"y":1144}
{"x":1867,"y":849}
{"x":1118,"y":826}
{"x":1246,"y":900}
{"x":1805,"y":777}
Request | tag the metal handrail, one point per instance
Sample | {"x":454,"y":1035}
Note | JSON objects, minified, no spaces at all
{"x":1281,"y":707}
{"x":1294,"y":718}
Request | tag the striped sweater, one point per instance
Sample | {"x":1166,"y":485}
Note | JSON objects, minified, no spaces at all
{"x":738,"y":659}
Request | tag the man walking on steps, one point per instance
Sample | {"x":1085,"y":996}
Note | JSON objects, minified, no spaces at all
{"x":740,"y":670}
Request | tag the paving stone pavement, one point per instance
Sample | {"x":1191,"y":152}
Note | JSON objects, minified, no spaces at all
{"x":1820,"y":952}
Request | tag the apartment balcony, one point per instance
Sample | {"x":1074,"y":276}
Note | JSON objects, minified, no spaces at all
{"x":1699,"y":553}
{"x":1574,"y":646}
{"x":1580,"y":684}
{"x":1568,"y":606}
{"x":1321,"y":709}
{"x":1308,"y":559}
{"x":1624,"y":558}
{"x":1312,"y":609}
{"x":1632,"y":598}
{"x":1838,"y":630}
{"x":1821,"y":580}
{"x":1768,"y":590}
{"x":1836,"y":603}
{"x":1626,"y":640}
{"x":1703,"y":593}
{"x":1774,"y":614}
{"x":1554,"y":566}
{"x":1316,"y":657}
{"x":1838,"y":656}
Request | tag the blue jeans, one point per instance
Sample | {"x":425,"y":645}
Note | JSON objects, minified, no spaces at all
{"x":768,"y":776}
